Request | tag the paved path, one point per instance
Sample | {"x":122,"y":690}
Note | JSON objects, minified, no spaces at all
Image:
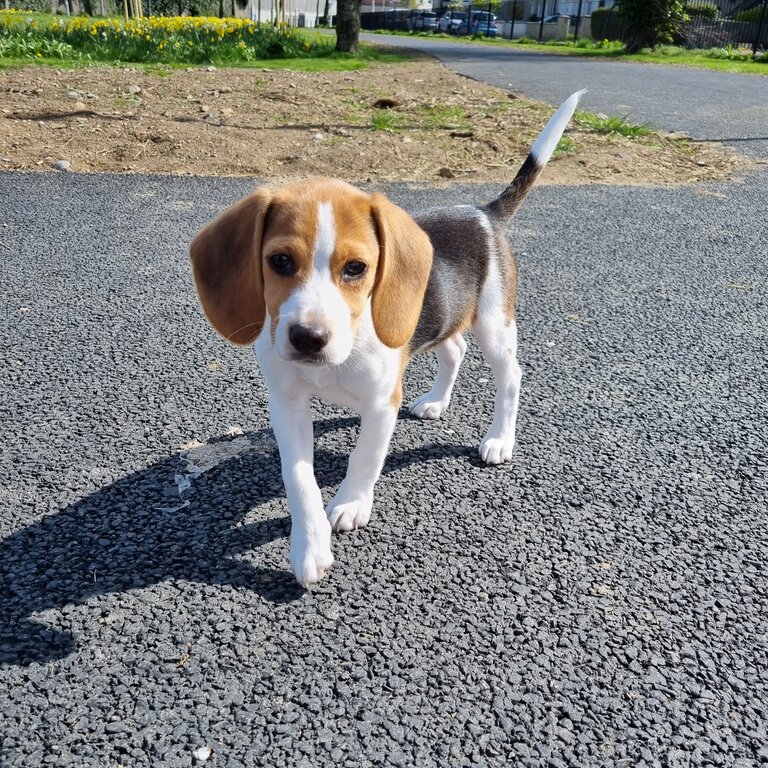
{"x":731,"y":108}
{"x":601,"y":601}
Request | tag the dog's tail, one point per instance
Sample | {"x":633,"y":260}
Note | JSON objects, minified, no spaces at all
{"x":505,"y":205}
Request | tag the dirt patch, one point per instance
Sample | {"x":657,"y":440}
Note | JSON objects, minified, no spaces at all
{"x":406,"y":122}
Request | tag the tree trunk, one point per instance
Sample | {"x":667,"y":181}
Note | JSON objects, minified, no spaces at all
{"x":348,"y":26}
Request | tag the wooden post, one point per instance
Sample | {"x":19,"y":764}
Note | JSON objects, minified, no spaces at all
{"x":760,"y":28}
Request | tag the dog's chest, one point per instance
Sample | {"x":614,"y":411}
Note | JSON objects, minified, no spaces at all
{"x":361,"y":380}
{"x":330,"y":385}
{"x":318,"y":377}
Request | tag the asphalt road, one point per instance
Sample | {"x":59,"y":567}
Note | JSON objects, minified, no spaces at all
{"x":711,"y":106}
{"x":601,"y":601}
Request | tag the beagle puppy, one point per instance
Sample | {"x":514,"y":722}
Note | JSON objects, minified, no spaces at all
{"x":339,"y":289}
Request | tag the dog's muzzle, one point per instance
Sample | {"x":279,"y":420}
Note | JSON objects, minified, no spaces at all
{"x":308,"y":340}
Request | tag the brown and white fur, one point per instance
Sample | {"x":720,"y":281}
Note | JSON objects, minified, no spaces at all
{"x":338,"y":289}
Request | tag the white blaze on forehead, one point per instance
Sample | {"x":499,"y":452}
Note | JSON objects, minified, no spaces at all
{"x":318,"y":302}
{"x":325,"y":242}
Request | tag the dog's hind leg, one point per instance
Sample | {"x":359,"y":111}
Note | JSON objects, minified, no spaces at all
{"x":499,"y":346}
{"x":496,"y":334}
{"x":449,"y":354}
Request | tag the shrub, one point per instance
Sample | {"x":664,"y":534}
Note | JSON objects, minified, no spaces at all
{"x":278,"y":43}
{"x":752,"y":14}
{"x":606,"y":24}
{"x":38,"y":6}
{"x":651,"y":22}
{"x":703,"y":11}
{"x":30,"y":45}
{"x":743,"y":53}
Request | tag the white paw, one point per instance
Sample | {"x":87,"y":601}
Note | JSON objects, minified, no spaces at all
{"x":349,"y":515}
{"x":311,"y":555}
{"x":496,"y":450}
{"x":427,"y":407}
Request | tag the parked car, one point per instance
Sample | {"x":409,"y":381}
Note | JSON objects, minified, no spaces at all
{"x":424,"y":21}
{"x":482,"y":23}
{"x":451,"y":21}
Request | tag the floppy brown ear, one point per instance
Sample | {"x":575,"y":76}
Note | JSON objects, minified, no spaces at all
{"x":405,"y":261}
{"x":226,"y":262}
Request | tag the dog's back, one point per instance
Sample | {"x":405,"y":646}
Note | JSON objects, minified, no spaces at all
{"x":465,"y":239}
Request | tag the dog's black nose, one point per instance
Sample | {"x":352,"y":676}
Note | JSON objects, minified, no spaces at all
{"x":307,"y":340}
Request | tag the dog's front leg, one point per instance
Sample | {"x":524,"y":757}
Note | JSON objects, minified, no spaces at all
{"x":310,"y":552}
{"x":351,"y":507}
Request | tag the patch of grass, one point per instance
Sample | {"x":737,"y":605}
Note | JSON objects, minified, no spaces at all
{"x":354,"y":118}
{"x":159,"y":70}
{"x":566,"y":144}
{"x":728,"y":59}
{"x":683,"y":146}
{"x":442,"y":116}
{"x":385,"y":120}
{"x":738,"y":60}
{"x":439,"y":117}
{"x":611,"y":125}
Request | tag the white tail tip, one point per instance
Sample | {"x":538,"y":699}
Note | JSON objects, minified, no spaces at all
{"x":545,"y":145}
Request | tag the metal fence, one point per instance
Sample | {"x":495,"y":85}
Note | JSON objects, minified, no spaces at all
{"x":394,"y":19}
{"x":710,"y":24}
{"x":404,"y":19}
{"x":734,"y":23}
{"x":739,"y":24}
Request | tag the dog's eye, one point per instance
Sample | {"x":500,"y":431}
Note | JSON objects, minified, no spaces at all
{"x":354,"y":269}
{"x":282,"y":263}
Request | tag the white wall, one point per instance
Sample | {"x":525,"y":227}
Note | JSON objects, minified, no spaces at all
{"x":311,"y":9}
{"x":571,"y":7}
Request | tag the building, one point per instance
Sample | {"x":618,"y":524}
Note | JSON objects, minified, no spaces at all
{"x":295,"y":13}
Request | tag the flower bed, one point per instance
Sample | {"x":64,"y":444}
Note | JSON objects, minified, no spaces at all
{"x":169,"y":40}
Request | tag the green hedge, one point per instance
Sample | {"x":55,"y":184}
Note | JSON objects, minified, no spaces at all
{"x":36,"y":6}
{"x":752,"y":14}
{"x":703,"y":11}
{"x":606,"y":24}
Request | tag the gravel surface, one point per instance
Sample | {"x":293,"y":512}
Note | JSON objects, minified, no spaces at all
{"x":712,"y":106}
{"x":601,"y":601}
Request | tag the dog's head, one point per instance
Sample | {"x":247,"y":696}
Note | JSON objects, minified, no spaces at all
{"x":312,"y":258}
